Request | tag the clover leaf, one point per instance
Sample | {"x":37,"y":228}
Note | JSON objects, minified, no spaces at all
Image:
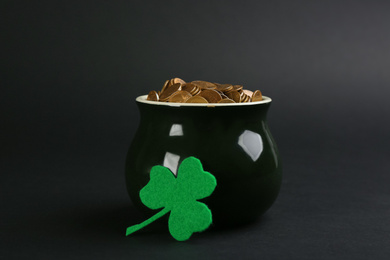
{"x":179,"y":196}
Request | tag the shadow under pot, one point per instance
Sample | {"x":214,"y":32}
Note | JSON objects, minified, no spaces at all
{"x":232,"y":141}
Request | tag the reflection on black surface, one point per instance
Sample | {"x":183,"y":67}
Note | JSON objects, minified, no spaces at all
{"x":171,"y":161}
{"x":251,"y":143}
{"x":176,"y":130}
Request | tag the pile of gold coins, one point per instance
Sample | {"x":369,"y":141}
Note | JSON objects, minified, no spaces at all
{"x":178,"y":91}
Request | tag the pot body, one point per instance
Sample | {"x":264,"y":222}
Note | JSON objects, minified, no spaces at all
{"x":232,"y":142}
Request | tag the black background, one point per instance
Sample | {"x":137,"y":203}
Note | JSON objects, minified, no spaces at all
{"x":70,"y":73}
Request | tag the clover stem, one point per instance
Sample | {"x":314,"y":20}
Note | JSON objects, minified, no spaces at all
{"x":137,"y":227}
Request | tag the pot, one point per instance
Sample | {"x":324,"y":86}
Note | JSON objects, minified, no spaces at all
{"x":232,"y":141}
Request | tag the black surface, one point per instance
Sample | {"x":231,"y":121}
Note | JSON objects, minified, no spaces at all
{"x":70,"y":72}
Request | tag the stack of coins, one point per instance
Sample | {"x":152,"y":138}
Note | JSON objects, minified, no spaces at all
{"x":178,"y":91}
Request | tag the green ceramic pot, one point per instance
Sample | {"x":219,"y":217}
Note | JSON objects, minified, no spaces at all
{"x":232,"y":141}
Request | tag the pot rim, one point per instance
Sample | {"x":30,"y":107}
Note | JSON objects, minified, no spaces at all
{"x":142,"y":99}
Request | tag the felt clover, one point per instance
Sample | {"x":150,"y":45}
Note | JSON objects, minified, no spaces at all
{"x":179,"y":195}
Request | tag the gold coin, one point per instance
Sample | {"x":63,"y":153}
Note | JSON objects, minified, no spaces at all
{"x":200,"y":91}
{"x":152,"y":96}
{"x":226,"y":100}
{"x":171,"y":82}
{"x":179,"y":96}
{"x":223,"y":95}
{"x":238,"y":87}
{"x":224,"y":87}
{"x":178,"y":80}
{"x":196,"y":99}
{"x":248,"y":92}
{"x":204,"y":84}
{"x":244,"y":98}
{"x":211,"y":95}
{"x":257,"y":96}
{"x":165,"y":85}
{"x":197,"y":91}
{"x":169,"y":91}
{"x":219,"y":92}
{"x":191,"y":88}
{"x":234,"y":95}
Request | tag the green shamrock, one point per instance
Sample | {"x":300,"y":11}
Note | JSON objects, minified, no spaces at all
{"x":179,"y":195}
